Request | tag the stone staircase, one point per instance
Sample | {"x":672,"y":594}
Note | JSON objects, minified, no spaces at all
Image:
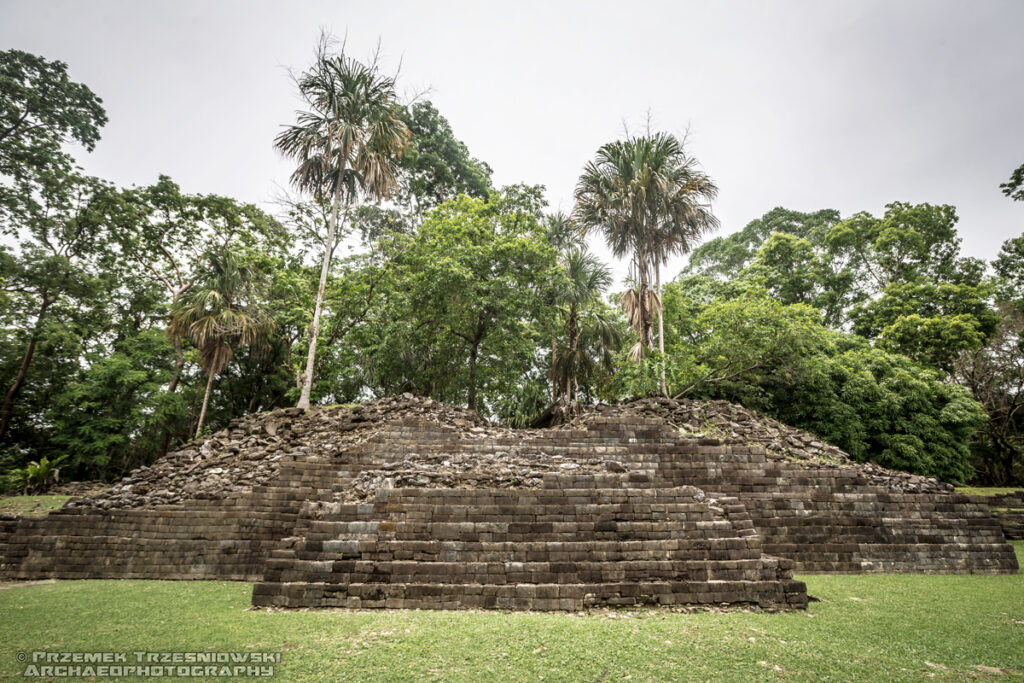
{"x":547,"y":549}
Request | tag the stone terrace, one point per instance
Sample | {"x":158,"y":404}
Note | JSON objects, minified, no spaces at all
{"x":578,"y":539}
{"x":407,"y":503}
{"x":1008,"y":509}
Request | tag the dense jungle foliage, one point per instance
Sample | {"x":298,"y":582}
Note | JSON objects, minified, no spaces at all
{"x":132,"y":319}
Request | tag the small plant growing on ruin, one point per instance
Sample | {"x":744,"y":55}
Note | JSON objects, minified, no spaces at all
{"x":40,"y":475}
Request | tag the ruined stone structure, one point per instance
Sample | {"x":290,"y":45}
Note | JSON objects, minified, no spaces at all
{"x":1008,"y":509}
{"x":406,"y":503}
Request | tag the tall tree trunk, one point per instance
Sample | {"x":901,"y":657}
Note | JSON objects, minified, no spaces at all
{"x":554,"y":381}
{"x":1009,"y":458}
{"x":661,"y":329}
{"x":192,"y":413}
{"x":206,"y":401}
{"x":179,"y":366}
{"x":645,"y":326}
{"x":573,"y":387}
{"x":473,"y":354}
{"x":314,"y":327}
{"x":645,"y":314}
{"x":26,"y":360}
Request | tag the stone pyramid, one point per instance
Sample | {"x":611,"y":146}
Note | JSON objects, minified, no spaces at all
{"x":405,"y":502}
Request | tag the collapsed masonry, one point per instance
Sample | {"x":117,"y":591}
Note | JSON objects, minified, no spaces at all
{"x":408,"y":503}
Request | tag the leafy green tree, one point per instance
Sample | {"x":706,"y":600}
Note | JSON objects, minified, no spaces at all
{"x":50,"y":212}
{"x":785,"y":253}
{"x":437,"y":166}
{"x":170,"y":234}
{"x":883,"y":407}
{"x":842,"y":266}
{"x":929,"y":322}
{"x":347,"y":144}
{"x":724,"y":257}
{"x":735,"y":342}
{"x":1014,"y":187}
{"x":1009,"y":269}
{"x":737,"y":337}
{"x":994,"y":374}
{"x":458,"y":312}
{"x":41,"y":109}
{"x":899,"y":281}
{"x":63,"y":252}
{"x":794,"y":271}
{"x":262,"y":376}
{"x":376,"y":223}
{"x":476,"y":268}
{"x":112,"y":418}
{"x":917,"y":295}
{"x":909,"y":242}
{"x":358,"y":296}
{"x":219,"y":313}
{"x":105,"y":310}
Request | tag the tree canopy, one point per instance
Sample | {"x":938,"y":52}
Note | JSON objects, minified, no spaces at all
{"x":133,"y":318}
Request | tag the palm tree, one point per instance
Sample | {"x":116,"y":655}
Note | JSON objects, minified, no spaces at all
{"x":611,"y":196}
{"x":588,"y":335}
{"x":347,"y":144}
{"x":562,"y":233}
{"x":219,"y":314}
{"x":684,"y":217}
{"x":649,"y":199}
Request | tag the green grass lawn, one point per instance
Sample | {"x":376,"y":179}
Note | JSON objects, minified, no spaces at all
{"x":32,"y":506}
{"x":877,"y":627}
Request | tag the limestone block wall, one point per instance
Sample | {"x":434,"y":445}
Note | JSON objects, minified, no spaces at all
{"x":227,"y":539}
{"x":1008,"y":509}
{"x":170,"y":543}
{"x":827,"y":518}
{"x":558,"y":540}
{"x":618,"y":488}
{"x":202,"y":539}
{"x":556,"y":548}
{"x":8,"y":523}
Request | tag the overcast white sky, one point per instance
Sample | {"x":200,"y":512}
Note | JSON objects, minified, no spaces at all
{"x":807,"y":105}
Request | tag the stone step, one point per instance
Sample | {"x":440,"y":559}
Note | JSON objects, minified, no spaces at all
{"x":611,"y":550}
{"x":541,"y":597}
{"x":382,"y":571}
{"x":723,"y":537}
{"x":697,"y":554}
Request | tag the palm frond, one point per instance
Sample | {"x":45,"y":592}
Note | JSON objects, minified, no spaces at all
{"x":220,"y":310}
{"x":351,"y":137}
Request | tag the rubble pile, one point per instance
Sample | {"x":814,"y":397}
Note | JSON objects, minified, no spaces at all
{"x":249,"y":451}
{"x":497,"y":470}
